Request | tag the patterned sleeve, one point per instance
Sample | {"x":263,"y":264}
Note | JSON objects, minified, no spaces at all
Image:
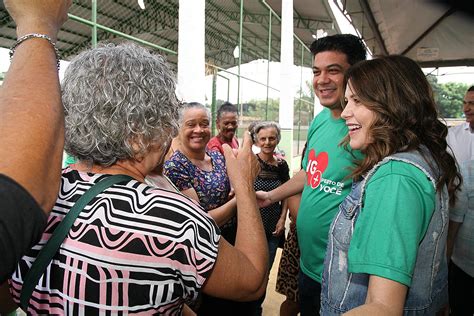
{"x":178,"y":173}
{"x":198,"y":254}
{"x":164,"y":248}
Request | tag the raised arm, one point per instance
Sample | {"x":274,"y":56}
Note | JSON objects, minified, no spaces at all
{"x":32,"y":128}
{"x":32,"y":119}
{"x":240,"y":272}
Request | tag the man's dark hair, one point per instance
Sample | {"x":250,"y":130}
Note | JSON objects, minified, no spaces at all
{"x":226,"y":107}
{"x":471,"y":88}
{"x":348,"y":44}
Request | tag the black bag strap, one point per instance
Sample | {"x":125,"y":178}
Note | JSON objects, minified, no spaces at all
{"x":47,"y":253}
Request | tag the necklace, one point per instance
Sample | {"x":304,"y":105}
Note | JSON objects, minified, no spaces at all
{"x":270,"y":161}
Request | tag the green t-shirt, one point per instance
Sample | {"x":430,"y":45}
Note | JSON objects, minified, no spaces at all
{"x":326,"y":164}
{"x":69,"y":160}
{"x":397,"y":208}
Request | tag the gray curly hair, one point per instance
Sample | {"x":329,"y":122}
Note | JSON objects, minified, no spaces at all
{"x":192,"y":105}
{"x":264,"y":125}
{"x":119,"y":100}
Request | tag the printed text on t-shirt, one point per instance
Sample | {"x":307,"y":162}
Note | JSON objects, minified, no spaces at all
{"x":314,"y":171}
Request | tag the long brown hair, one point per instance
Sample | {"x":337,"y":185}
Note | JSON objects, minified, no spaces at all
{"x":396,"y":90}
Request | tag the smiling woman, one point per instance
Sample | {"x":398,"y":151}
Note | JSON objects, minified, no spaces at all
{"x":368,"y":269}
{"x":359,"y":120}
{"x":199,"y":173}
{"x":227,"y":124}
{"x":273,"y":173}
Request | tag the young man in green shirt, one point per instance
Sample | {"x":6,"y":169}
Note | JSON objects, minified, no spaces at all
{"x":323,"y":178}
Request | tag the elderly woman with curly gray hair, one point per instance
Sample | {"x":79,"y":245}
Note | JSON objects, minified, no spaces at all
{"x":134,"y":248}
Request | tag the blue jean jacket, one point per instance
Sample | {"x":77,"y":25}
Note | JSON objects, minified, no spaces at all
{"x":343,"y":291}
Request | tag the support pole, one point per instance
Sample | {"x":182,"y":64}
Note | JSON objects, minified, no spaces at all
{"x":269,"y":58}
{"x":94,"y":21}
{"x":191,"y":53}
{"x":287,"y":90}
{"x":241,"y":24}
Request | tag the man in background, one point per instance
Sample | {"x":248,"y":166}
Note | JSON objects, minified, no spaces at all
{"x":461,"y":137}
{"x":461,"y":246}
{"x":461,"y":216}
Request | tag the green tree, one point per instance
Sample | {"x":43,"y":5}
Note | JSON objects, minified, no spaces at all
{"x":258,"y":111}
{"x":448,"y":97}
{"x":450,"y":101}
{"x":304,"y":105}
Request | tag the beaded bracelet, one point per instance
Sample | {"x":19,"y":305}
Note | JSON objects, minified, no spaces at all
{"x":35,"y":35}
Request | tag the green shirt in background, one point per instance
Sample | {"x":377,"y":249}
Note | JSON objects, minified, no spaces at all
{"x":69,"y":161}
{"x":398,"y":204}
{"x":327,"y":167}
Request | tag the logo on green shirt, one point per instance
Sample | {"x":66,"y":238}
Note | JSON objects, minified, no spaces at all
{"x":315,"y":169}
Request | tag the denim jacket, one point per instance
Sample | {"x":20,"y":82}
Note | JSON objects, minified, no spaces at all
{"x":343,"y":291}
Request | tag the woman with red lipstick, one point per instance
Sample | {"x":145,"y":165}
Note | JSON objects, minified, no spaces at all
{"x":386,"y":250}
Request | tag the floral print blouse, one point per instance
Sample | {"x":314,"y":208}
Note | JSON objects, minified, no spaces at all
{"x":212,"y":187}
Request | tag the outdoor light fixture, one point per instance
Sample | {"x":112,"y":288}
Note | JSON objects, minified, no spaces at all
{"x":141,"y":3}
{"x":236,"y":52}
{"x":320,"y":33}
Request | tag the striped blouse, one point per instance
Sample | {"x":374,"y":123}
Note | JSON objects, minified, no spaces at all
{"x":134,"y":249}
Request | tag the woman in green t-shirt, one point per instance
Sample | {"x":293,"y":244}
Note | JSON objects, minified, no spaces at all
{"x":386,"y":250}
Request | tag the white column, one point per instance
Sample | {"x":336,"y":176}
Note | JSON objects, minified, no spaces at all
{"x":191,"y":53}
{"x":287,"y":89}
{"x":317,"y":106}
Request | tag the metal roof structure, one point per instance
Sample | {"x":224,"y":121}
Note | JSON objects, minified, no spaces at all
{"x":433,"y":33}
{"x":425,"y":30}
{"x":158,"y":24}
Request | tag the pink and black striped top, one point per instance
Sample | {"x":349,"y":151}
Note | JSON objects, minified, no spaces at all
{"x":134,"y":249}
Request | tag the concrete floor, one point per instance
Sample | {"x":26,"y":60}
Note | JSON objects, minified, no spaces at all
{"x":273,"y":300}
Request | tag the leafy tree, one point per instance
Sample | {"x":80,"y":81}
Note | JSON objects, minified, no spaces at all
{"x":448,"y":97}
{"x":304,"y":105}
{"x":450,"y":101}
{"x":260,"y":108}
